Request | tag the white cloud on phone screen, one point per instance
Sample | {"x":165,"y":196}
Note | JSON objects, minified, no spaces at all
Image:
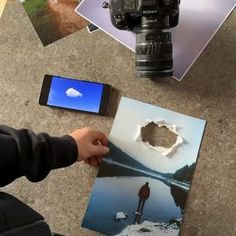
{"x":71,"y":92}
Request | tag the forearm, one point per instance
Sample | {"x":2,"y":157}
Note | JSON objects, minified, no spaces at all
{"x":23,"y":153}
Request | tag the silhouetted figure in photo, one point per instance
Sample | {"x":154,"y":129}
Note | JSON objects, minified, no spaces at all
{"x":144,"y":193}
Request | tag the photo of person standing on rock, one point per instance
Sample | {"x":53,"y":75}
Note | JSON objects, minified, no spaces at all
{"x":54,"y":19}
{"x":144,"y":193}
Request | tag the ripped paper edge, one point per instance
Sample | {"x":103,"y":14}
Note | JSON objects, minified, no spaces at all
{"x":163,"y":151}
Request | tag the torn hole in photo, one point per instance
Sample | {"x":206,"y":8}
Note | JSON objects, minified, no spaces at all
{"x":164,"y":151}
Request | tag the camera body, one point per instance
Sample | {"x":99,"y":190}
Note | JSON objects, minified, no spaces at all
{"x":150,"y":20}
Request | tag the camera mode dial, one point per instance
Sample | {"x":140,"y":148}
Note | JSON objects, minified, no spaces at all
{"x":120,"y":20}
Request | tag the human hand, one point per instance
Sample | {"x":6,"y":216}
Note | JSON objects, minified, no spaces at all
{"x":91,"y":144}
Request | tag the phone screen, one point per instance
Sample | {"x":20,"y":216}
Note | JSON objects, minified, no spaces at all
{"x":75,"y":94}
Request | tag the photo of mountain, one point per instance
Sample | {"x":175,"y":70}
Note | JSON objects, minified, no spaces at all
{"x":137,"y":189}
{"x":53,"y":19}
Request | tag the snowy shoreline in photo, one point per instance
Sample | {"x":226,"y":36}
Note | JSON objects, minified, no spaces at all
{"x":150,"y":229}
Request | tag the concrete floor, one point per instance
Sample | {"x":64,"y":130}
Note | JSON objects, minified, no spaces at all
{"x":208,"y":91}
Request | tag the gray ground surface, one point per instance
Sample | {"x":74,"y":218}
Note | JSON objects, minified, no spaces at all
{"x":208,"y":91}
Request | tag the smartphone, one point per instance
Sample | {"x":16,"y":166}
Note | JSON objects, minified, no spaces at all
{"x":73,"y":94}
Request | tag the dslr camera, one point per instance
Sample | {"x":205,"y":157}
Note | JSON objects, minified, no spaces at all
{"x":151,"y":21}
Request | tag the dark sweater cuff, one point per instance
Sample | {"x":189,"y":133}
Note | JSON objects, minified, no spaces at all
{"x":65,"y":150}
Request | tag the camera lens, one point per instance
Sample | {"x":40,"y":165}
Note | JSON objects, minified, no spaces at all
{"x":154,"y":53}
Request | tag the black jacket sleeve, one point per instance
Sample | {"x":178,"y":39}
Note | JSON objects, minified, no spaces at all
{"x":23,"y":153}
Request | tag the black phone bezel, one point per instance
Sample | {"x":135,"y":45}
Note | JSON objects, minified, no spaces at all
{"x":104,"y":104}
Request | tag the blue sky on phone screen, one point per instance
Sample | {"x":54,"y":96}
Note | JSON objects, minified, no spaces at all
{"x":75,"y":94}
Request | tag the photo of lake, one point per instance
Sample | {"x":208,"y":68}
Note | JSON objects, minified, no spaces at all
{"x":120,"y":194}
{"x":138,"y":190}
{"x":53,"y":19}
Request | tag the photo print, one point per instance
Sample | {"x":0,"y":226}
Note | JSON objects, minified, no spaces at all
{"x":198,"y":23}
{"x":138,"y":188}
{"x":53,"y":19}
{"x":2,"y":6}
{"x":92,"y":28}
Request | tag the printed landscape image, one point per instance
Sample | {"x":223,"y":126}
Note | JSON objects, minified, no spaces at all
{"x":138,"y":191}
{"x":53,"y":19}
{"x":129,"y":197}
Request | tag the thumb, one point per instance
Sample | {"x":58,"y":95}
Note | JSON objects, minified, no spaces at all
{"x":99,"y":150}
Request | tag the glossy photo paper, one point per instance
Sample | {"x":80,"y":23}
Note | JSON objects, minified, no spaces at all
{"x":138,"y":188}
{"x":53,"y":19}
{"x":2,"y":6}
